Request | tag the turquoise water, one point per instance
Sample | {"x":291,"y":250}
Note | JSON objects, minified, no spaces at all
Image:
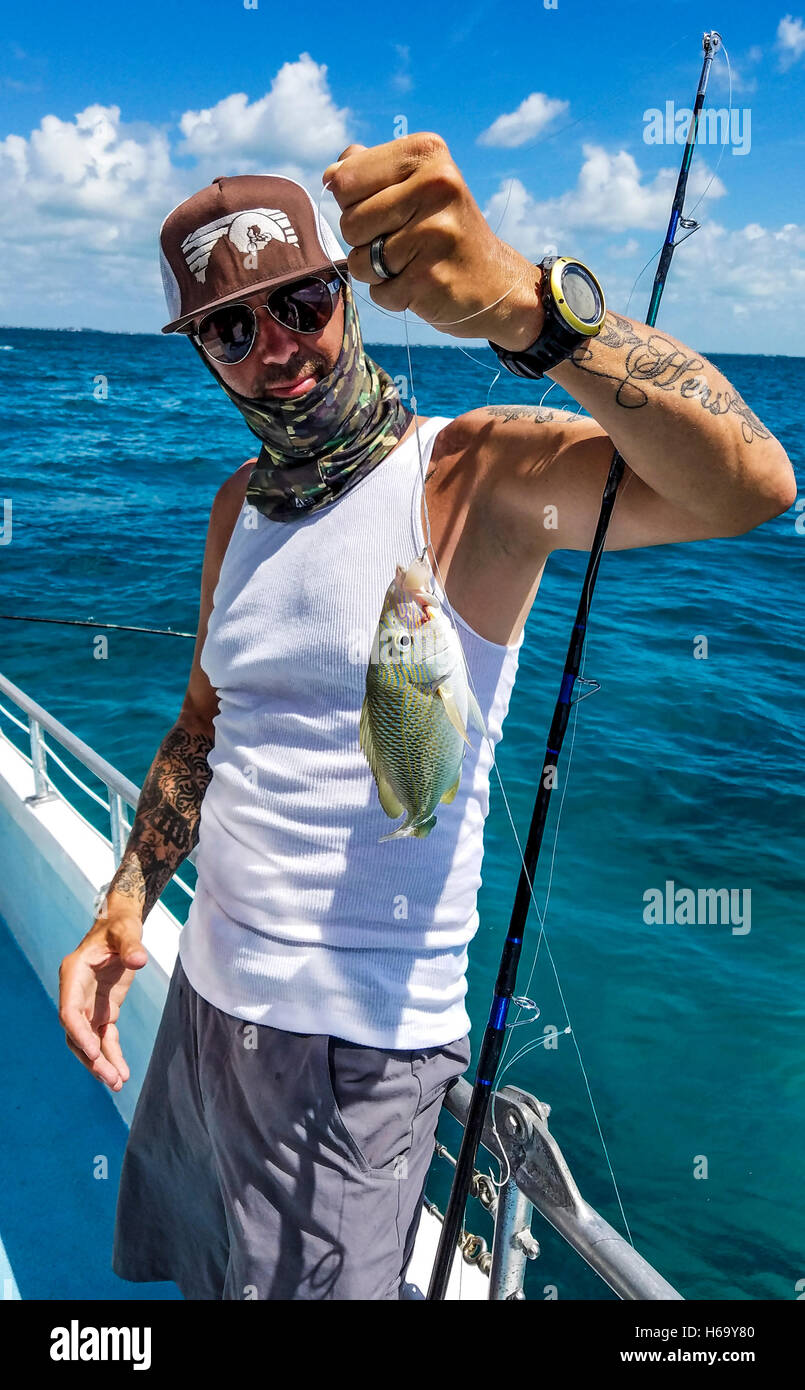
{"x":685,"y":770}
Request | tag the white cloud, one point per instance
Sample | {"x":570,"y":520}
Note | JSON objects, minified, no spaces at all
{"x":724,"y":286}
{"x":89,"y":166}
{"x":84,"y":198}
{"x":762,"y":266}
{"x":83,"y":202}
{"x":296,"y":122}
{"x":402,"y":80}
{"x":611,"y":195}
{"x":83,"y":193}
{"x":790,"y":40}
{"x":532,"y":116}
{"x":735,"y":76}
{"x":624,"y":251}
{"x":723,"y":280}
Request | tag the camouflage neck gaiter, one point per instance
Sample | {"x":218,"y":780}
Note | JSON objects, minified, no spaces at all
{"x":318,"y":445}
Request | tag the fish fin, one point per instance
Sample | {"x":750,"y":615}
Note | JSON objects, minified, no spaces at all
{"x":366,"y":740}
{"x":451,"y":708}
{"x":392,"y":807}
{"x":420,"y":831}
{"x":451,"y":792}
{"x":475,"y":716}
{"x":400,"y":834}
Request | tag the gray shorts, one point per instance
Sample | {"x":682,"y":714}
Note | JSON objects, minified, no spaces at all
{"x":275,"y":1165}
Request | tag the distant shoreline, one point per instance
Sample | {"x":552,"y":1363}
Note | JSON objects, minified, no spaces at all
{"x":374,"y":343}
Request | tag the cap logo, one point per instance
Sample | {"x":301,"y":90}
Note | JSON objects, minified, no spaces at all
{"x":250,"y":231}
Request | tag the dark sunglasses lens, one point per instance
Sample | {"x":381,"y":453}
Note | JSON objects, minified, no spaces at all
{"x":306,"y":307}
{"x":228,"y":333}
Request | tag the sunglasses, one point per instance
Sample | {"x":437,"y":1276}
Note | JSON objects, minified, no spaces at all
{"x":228,"y":334}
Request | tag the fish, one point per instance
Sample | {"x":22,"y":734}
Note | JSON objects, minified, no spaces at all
{"x":418,"y":703}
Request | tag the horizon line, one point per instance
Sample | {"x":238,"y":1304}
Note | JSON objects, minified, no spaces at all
{"x":375,"y":342}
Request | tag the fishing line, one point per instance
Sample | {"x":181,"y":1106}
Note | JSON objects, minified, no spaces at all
{"x":426,"y":509}
{"x":504,"y":1066}
{"x":495,"y":1032}
{"x":448,"y":609}
{"x":537,"y":1042}
{"x":655,"y":254}
{"x":429,"y":547}
{"x":428,"y":540}
{"x":683,"y":221}
{"x":569,"y":1029}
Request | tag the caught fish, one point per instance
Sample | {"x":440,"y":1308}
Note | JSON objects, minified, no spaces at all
{"x":413,"y":727}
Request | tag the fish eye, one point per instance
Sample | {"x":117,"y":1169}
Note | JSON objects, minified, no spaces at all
{"x":404,"y":639}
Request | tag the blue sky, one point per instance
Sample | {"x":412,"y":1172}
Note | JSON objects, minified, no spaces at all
{"x":110,"y":114}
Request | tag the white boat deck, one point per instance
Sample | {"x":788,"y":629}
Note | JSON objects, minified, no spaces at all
{"x":61,"y":1127}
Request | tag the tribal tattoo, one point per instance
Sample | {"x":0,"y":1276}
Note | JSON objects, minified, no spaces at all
{"x":165,"y":825}
{"x":656,"y":361}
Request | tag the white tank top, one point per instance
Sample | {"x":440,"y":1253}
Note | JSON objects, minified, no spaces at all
{"x":301,"y":920}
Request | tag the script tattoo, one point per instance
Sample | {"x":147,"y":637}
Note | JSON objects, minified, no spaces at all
{"x":165,"y":826}
{"x":654,"y":361}
{"x":535,"y":413}
{"x":720,"y":402}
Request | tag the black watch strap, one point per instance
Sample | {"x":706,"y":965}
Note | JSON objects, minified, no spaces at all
{"x":554,"y":345}
{"x":548,"y":351}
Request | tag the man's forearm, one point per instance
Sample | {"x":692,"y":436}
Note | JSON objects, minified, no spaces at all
{"x":165,"y":827}
{"x":677,"y":421}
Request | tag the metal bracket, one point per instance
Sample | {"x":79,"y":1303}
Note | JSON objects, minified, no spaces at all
{"x":537,"y":1168}
{"x":526,"y":1143}
{"x":585,"y":680}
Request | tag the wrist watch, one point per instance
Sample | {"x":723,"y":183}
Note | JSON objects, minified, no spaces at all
{"x":574,"y":308}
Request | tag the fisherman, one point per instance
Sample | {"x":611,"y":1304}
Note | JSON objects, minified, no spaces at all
{"x":315,"y":1016}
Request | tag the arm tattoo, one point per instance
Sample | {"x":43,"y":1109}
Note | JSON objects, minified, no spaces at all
{"x":655,"y":361}
{"x":535,"y":413}
{"x":165,"y":826}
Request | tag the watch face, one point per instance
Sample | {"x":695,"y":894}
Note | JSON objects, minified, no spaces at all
{"x":581,"y":294}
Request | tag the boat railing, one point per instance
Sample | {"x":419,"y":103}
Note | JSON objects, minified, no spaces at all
{"x":516,"y":1132}
{"x":537,"y":1177}
{"x":121,"y":791}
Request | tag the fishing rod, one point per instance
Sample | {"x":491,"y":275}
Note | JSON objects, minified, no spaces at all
{"x":495,"y":1033}
{"x":85,"y":622}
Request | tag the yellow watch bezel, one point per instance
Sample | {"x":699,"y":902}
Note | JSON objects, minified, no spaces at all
{"x":555,"y":286}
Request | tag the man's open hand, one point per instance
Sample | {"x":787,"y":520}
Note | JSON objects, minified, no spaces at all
{"x":93,"y":982}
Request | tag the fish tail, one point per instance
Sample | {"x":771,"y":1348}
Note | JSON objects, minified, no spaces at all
{"x":399,"y":833}
{"x":408,"y":828}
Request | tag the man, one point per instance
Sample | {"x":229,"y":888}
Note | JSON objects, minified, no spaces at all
{"x":315,"y":1017}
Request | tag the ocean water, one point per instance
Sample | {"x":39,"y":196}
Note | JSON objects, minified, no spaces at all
{"x":682,"y":769}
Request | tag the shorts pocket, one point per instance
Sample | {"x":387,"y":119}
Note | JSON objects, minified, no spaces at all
{"x":375,"y":1096}
{"x":437,"y":1067}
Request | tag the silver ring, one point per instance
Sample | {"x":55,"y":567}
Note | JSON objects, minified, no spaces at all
{"x":378,"y":263}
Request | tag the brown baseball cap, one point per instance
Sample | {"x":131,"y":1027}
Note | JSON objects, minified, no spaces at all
{"x":244,"y":233}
